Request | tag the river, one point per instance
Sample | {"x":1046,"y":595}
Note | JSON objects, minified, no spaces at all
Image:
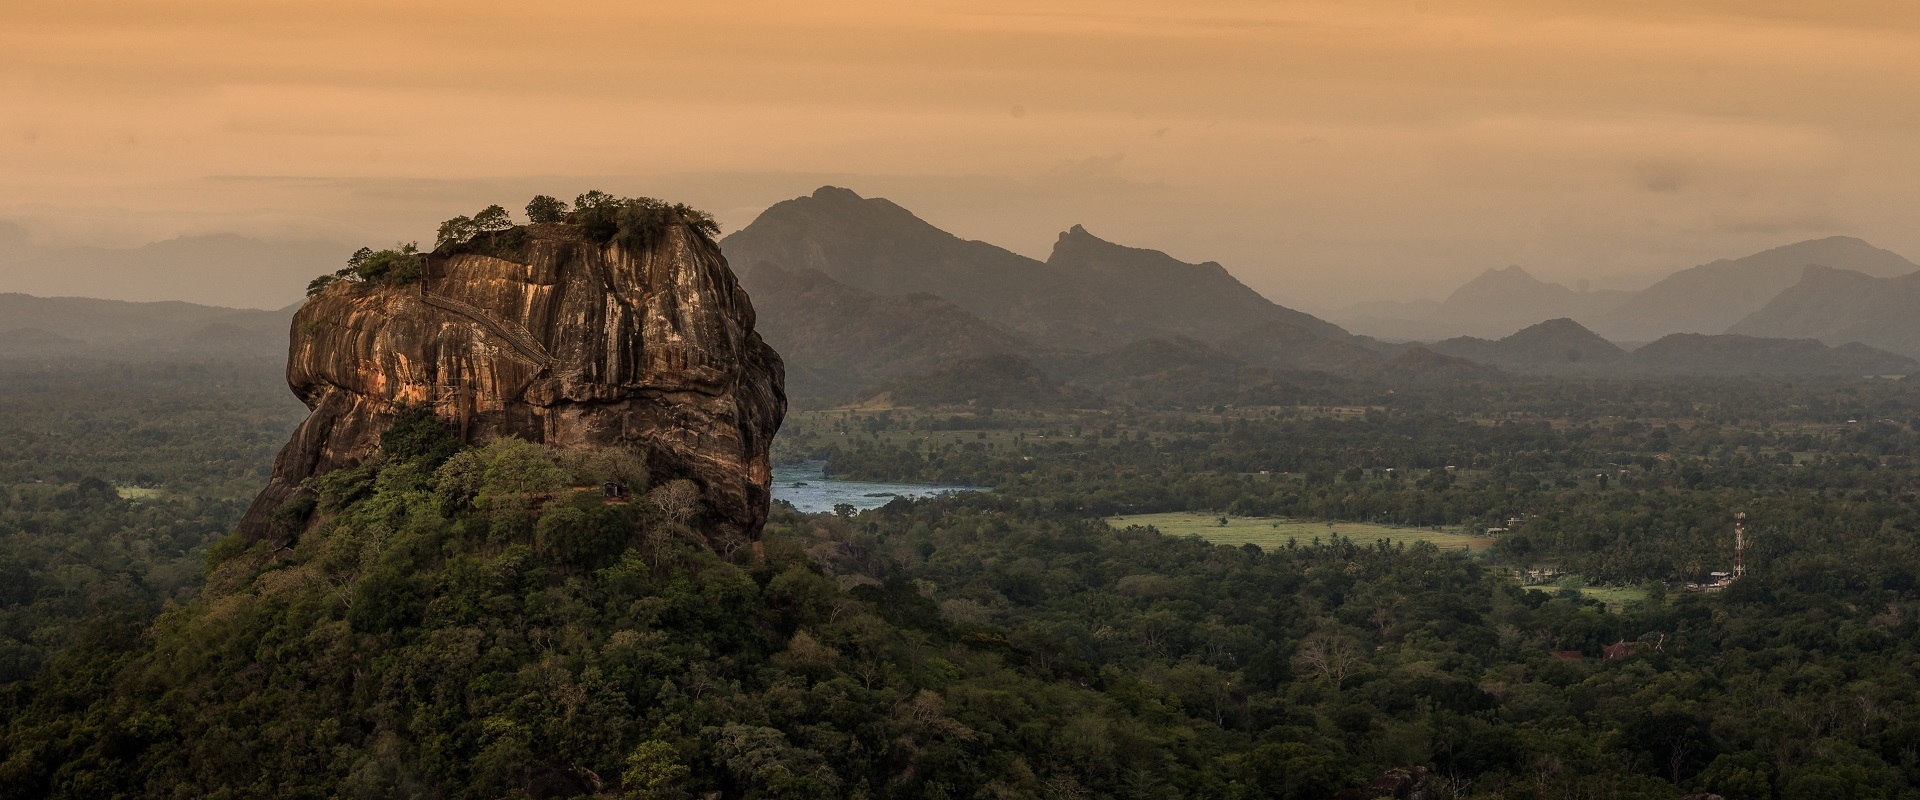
{"x":806,"y":486}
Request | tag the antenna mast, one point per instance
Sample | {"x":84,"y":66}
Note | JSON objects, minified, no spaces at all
{"x":1740,"y":544}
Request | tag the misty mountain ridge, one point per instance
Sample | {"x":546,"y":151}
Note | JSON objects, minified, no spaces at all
{"x":1555,"y":345}
{"x":860,"y":295}
{"x":82,"y":326}
{"x":1838,"y":306}
{"x":1732,"y":355}
{"x":835,"y":337}
{"x":1709,"y":298}
{"x":1003,"y":380}
{"x":220,"y":269}
{"x":1564,"y":347}
{"x":1090,"y":294}
{"x":1495,"y":301}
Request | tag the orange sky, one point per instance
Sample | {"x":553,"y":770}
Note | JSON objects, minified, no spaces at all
{"x":1323,"y":151}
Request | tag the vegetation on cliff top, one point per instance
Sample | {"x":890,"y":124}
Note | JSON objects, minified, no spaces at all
{"x":633,"y":221}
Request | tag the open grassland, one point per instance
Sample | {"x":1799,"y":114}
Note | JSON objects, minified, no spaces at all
{"x":1268,"y":532}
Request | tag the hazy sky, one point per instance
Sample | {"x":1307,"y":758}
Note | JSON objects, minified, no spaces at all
{"x":1323,"y":151}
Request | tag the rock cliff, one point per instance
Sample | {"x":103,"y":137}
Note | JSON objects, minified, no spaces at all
{"x":551,"y":336}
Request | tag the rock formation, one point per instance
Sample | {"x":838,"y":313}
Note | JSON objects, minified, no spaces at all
{"x":551,"y":336}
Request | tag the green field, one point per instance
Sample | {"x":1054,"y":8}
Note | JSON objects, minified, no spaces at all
{"x":137,"y":493}
{"x":1615,"y":594}
{"x":1271,"y":532}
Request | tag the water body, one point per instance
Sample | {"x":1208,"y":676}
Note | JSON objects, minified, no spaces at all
{"x":807,"y":487}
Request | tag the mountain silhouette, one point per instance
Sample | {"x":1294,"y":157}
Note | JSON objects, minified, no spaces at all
{"x":1838,"y":306}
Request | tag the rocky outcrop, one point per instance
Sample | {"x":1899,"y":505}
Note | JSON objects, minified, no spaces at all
{"x":555,"y":338}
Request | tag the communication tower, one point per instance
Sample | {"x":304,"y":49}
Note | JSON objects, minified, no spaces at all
{"x":1739,"y":544}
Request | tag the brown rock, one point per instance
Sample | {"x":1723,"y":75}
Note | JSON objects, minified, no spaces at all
{"x":553,"y":338}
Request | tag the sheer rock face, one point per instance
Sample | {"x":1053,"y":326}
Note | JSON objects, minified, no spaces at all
{"x":554,"y":339}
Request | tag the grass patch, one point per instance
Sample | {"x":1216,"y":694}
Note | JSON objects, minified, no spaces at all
{"x":1615,"y":594}
{"x":1273,"y":532}
{"x":137,"y":493}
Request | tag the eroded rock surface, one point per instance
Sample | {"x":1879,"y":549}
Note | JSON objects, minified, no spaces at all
{"x":553,"y":338}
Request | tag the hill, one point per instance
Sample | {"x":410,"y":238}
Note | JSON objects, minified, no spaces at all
{"x":837,"y":339}
{"x":1557,"y":345}
{"x":1495,"y":301}
{"x":1198,"y":300}
{"x":1711,"y":298}
{"x":1839,"y":306}
{"x":1003,"y":380}
{"x":1421,"y":365}
{"x":1708,"y":298}
{"x":1283,"y":345}
{"x":77,"y":326}
{"x":1500,"y":299}
{"x":1693,"y":354}
{"x":216,"y":269}
{"x":1089,"y":295}
{"x":38,"y":342}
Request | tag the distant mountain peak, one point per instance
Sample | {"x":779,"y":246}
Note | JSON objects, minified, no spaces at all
{"x":1716,"y":296}
{"x":1511,"y":275}
{"x":12,"y":235}
{"x":1077,"y":242}
{"x":1090,"y":294}
{"x":1559,"y":326}
{"x":835,"y":193}
{"x":1555,"y":344}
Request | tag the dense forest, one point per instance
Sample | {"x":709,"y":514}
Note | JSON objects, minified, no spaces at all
{"x":462,"y":623}
{"x":114,"y":478}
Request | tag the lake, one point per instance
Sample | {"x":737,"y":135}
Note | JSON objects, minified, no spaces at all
{"x":806,"y":486}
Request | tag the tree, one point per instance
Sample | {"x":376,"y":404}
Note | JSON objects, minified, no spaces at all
{"x":654,"y":771}
{"x":1331,"y":655}
{"x":454,"y":231}
{"x":492,"y":220}
{"x":595,"y":199}
{"x":543,"y":209}
{"x":679,"y":500}
{"x":319,"y":284}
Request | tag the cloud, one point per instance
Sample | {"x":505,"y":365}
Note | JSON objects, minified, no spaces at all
{"x":1093,"y":174}
{"x":1662,"y":176}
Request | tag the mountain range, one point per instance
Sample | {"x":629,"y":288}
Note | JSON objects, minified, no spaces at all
{"x":1838,"y":306}
{"x":858,"y":292}
{"x":220,"y":269}
{"x":864,"y":299}
{"x":79,"y":326}
{"x":1565,"y":347}
{"x":1090,"y":294}
{"x":1709,"y":298}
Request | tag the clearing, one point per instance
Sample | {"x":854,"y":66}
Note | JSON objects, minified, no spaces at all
{"x":1272,"y":532}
